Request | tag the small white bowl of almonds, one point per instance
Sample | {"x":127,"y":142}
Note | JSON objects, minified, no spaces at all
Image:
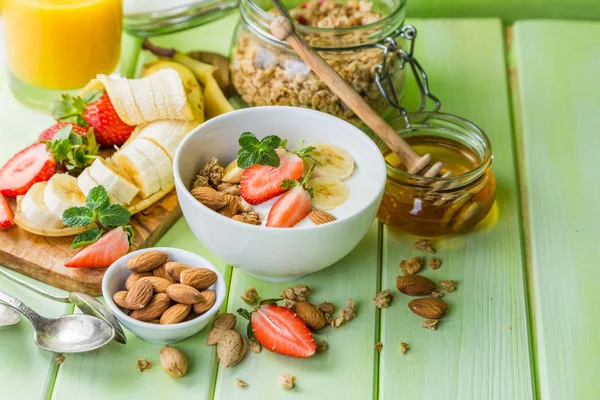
{"x":163,"y":295}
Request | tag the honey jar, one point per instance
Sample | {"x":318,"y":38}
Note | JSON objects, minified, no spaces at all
{"x":444,"y":205}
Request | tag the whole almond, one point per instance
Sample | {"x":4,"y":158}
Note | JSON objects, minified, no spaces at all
{"x":184,"y":294}
{"x":320,"y":217}
{"x":134,"y":277}
{"x":231,"y":348}
{"x":154,"y":321}
{"x":199,"y":278}
{"x":428,"y":307}
{"x":415,"y":285}
{"x":220,"y":325}
{"x":147,"y":261}
{"x":175,"y":269}
{"x":159,"y":285}
{"x":119,"y":298}
{"x":173,"y":361}
{"x":310,"y":314}
{"x":209,"y":197}
{"x":158,"y":305}
{"x":161,"y":272}
{"x":175,"y":314}
{"x":140,"y":294}
{"x":208,"y":300}
{"x":231,"y":207}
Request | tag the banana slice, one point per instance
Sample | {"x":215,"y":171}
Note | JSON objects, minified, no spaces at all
{"x":117,"y":186}
{"x":158,"y":158}
{"x":62,"y":192}
{"x":136,"y":167}
{"x":232,"y":173}
{"x":166,"y":134}
{"x":35,"y":210}
{"x":23,"y":222}
{"x":328,"y":193}
{"x":333,"y":161}
{"x":144,"y":99}
{"x":158,"y":88}
{"x":87,"y":183}
{"x":122,"y":99}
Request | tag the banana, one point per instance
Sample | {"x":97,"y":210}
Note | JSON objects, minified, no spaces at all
{"x":158,"y":158}
{"x":35,"y":210}
{"x":116,"y":185}
{"x":332,"y":161}
{"x":328,"y":193}
{"x":159,"y":87}
{"x":87,"y":183}
{"x":232,"y":173}
{"x":145,"y":103}
{"x":122,"y":99}
{"x":166,"y":134}
{"x":134,"y":165}
{"x":62,"y":192}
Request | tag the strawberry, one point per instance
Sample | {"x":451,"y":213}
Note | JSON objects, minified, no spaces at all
{"x":290,"y":209}
{"x":108,"y":249}
{"x":263,"y":182}
{"x":31,"y":165}
{"x":7,"y":217}
{"x":96,"y":110}
{"x":280,"y":330}
{"x":49,"y":133}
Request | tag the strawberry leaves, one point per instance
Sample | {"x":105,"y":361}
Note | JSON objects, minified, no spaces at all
{"x":72,"y":151}
{"x":71,"y":108}
{"x":260,"y":152}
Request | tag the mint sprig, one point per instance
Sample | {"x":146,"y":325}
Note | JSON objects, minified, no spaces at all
{"x":73,"y":151}
{"x":260,"y":152}
{"x":98,"y":211}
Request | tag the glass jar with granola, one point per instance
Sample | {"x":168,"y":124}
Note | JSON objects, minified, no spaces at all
{"x":350,"y":35}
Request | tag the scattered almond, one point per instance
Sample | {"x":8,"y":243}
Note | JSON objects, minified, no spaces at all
{"x":159,"y":285}
{"x":173,"y":361}
{"x":311,"y":315}
{"x":424,"y":244}
{"x":147,"y":261}
{"x":415,"y":285}
{"x":250,"y":296}
{"x":430,"y":324}
{"x":412,"y":265}
{"x":383,"y":299}
{"x":198,"y":278}
{"x":139,"y":295}
{"x":161,"y":272}
{"x":428,"y":307}
{"x":447,"y":286}
{"x":154,"y":321}
{"x":134,"y":277}
{"x":119,"y":298}
{"x":403,"y":348}
{"x":175,"y":269}
{"x":434,"y":263}
{"x":220,"y":325}
{"x":320,"y":217}
{"x":286,"y":381}
{"x":232,"y":205}
{"x":240,"y":383}
{"x":159,"y":304}
{"x":175,"y":314}
{"x":209,"y":197}
{"x":184,"y":294}
{"x":143,"y":364}
{"x":231,"y":348}
{"x":208,"y":300}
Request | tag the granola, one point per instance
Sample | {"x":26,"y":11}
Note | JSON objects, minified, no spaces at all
{"x":383,"y":299}
{"x":412,"y":265}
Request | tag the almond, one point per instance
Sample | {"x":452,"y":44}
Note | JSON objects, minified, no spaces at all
{"x":119,"y":298}
{"x":175,"y":314}
{"x":161,"y":272}
{"x":159,"y":285}
{"x":231,"y":207}
{"x":133,"y":278}
{"x":199,"y":278}
{"x":220,"y":325}
{"x":147,"y":261}
{"x":158,"y":305}
{"x":209,"y":197}
{"x":415,"y":285}
{"x":320,"y":217}
{"x":310,"y":314}
{"x":208,"y":300}
{"x":173,"y":361}
{"x":231,"y":348}
{"x":184,"y":294}
{"x":428,"y":307}
{"x":175,"y":269}
{"x":139,"y":295}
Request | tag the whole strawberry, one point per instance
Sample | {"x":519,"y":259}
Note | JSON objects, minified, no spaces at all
{"x":96,"y":110}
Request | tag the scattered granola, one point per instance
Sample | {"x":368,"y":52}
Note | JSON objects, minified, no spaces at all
{"x":322,"y":346}
{"x":447,"y":286}
{"x":436,"y":295}
{"x":383,"y":299}
{"x":251,"y":218}
{"x":403,"y":348}
{"x":297,"y":293}
{"x":213,"y":172}
{"x":424,"y":244}
{"x":240,"y":383}
{"x":250,"y":296}
{"x":346,"y":314}
{"x":286,"y":381}
{"x":143,"y":364}
{"x":287,"y":303}
{"x":60,"y":359}
{"x":254,"y":346}
{"x":200,"y":181}
{"x":331,"y":14}
{"x":430,"y":324}
{"x":435,"y":263}
{"x":378,"y":347}
{"x":412,"y":265}
{"x":327,"y":307}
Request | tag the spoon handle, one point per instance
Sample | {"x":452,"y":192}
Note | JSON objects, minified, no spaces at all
{"x":21,"y":307}
{"x":62,"y":299}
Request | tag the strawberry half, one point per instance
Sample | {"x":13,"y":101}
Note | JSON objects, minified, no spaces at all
{"x":290,"y":208}
{"x":261,"y":182}
{"x":280,"y":330}
{"x":49,"y":133}
{"x":31,"y":165}
{"x":108,"y":249}
{"x":7,"y":217}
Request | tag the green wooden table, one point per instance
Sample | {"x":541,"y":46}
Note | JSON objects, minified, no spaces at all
{"x":524,"y":321}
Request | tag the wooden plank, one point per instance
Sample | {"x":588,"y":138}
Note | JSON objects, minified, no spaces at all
{"x":556,"y":90}
{"x":481,"y":349}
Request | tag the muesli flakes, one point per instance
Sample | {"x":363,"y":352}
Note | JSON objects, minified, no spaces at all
{"x":412,"y":265}
{"x":383,"y":299}
{"x":425,"y":245}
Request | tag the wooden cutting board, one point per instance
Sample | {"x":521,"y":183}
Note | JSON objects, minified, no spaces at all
{"x":43,"y":258}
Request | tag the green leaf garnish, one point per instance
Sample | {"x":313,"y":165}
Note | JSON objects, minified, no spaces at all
{"x":288,"y":184}
{"x":114,"y":215}
{"x":129,"y":230}
{"x":78,"y":216}
{"x":261,"y":152}
{"x":97,"y":199}
{"x":87,"y":237}
{"x":73,"y":151}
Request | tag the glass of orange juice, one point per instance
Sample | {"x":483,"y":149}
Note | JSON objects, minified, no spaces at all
{"x":53,"y":46}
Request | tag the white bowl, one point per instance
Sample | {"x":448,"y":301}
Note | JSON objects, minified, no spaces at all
{"x":280,"y":254}
{"x":114,"y":281}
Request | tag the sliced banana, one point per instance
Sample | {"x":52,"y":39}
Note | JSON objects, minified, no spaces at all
{"x":36,"y":211}
{"x":23,"y":222}
{"x":160,"y":90}
{"x":136,"y":167}
{"x":144,"y":99}
{"x":122,"y":99}
{"x":158,"y":158}
{"x":87,"y":183}
{"x":333,"y":161}
{"x":62,"y":192}
{"x":328,"y":193}
{"x":116,"y":185}
{"x":166,"y":134}
{"x":232,"y":173}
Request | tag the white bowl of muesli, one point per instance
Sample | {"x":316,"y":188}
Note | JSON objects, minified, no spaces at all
{"x":279,"y":192}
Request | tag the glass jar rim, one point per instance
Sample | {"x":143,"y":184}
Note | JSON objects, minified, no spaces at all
{"x":465,"y":177}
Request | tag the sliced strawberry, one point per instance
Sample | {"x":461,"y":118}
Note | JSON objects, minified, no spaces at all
{"x":108,"y":249}
{"x":261,"y":182}
{"x":7,"y":217}
{"x":280,"y":330}
{"x":31,"y":165}
{"x":290,"y":208}
{"x":49,"y":133}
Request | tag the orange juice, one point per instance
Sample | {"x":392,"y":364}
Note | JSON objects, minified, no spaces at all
{"x":61,"y":44}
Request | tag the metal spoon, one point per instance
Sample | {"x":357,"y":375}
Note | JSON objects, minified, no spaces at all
{"x":73,"y":333}
{"x":8,"y":316}
{"x":86,"y":303}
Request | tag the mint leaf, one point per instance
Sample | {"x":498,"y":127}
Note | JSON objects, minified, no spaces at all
{"x":261,"y":152}
{"x":129,"y":230}
{"x":270,"y":142}
{"x":247,"y":140}
{"x":97,"y":199}
{"x":114,"y":215}
{"x":78,"y":216}
{"x":87,"y":237}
